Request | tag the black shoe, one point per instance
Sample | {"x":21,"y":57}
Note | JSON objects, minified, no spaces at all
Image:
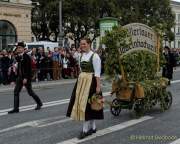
{"x":13,"y":111}
{"x":84,"y":134}
{"x":38,"y":107}
{"x":92,"y":131}
{"x":169,"y":82}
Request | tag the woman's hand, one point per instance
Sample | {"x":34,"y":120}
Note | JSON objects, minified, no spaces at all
{"x":98,"y":90}
{"x":98,"y":85}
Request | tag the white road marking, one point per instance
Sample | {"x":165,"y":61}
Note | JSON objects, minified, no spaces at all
{"x":46,"y":104}
{"x":34,"y":123}
{"x":108,"y":130}
{"x":53,"y":123}
{"x":60,"y":121}
{"x":176,"y":142}
{"x":53,"y":103}
{"x":175,"y":81}
{"x":40,"y":123}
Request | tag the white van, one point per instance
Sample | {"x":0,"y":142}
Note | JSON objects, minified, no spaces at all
{"x":43,"y":44}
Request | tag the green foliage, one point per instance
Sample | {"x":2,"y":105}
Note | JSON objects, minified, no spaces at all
{"x":115,"y":41}
{"x":154,"y":13}
{"x":81,"y":17}
{"x":140,"y":65}
{"x":155,"y":92}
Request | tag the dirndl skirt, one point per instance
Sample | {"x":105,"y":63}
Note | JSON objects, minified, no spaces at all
{"x":90,"y":114}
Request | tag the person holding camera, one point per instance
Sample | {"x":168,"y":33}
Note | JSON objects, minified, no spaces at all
{"x":88,"y":85}
{"x":24,"y":75}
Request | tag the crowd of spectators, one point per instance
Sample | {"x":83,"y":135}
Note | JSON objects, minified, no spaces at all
{"x":46,"y":65}
{"x":50,"y":65}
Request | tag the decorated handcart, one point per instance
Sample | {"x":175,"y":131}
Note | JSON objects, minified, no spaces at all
{"x":133,"y":57}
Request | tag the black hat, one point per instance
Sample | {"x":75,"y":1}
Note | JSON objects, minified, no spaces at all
{"x":21,"y":44}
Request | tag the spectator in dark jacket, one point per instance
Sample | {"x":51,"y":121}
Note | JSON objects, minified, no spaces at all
{"x":41,"y":64}
{"x":12,"y":72}
{"x":170,"y":62}
{"x":5,"y":64}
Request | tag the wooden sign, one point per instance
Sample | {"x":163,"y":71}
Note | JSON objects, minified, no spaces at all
{"x":143,"y":37}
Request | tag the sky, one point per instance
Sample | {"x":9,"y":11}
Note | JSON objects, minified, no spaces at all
{"x":177,"y":0}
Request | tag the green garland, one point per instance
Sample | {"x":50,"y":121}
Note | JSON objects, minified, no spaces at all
{"x":115,"y":40}
{"x":139,"y":66}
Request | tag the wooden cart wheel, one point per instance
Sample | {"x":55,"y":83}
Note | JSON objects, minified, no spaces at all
{"x":168,"y":100}
{"x":115,"y":107}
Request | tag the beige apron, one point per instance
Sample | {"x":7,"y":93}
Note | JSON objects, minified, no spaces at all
{"x":81,"y":98}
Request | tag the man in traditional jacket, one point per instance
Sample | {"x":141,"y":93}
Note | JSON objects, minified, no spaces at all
{"x":24,"y":75}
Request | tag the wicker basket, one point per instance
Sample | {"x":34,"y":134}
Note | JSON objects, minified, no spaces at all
{"x":124,"y":94}
{"x":139,"y":91}
{"x":97,"y":104}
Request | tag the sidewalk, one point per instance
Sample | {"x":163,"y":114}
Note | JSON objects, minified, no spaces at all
{"x":42,"y":84}
{"x":53,"y":83}
{"x":39,"y":84}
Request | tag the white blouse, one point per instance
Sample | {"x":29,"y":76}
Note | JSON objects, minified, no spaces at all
{"x":96,"y":62}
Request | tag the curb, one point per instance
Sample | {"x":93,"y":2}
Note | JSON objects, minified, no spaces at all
{"x":43,"y":84}
{"x":40,"y":85}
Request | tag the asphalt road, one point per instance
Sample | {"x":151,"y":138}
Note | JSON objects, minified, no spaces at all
{"x":50,"y":126}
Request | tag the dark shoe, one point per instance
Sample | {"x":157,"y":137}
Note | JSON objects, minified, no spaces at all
{"x":92,"y":131}
{"x":38,"y":107}
{"x":13,"y":111}
{"x":169,"y":82}
{"x":84,"y":134}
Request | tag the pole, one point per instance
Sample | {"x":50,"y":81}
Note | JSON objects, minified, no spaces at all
{"x":174,"y":36}
{"x":60,"y":24}
{"x":158,"y":52}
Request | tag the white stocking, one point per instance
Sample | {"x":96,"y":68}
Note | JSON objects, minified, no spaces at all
{"x":93,"y":124}
{"x":86,"y":126}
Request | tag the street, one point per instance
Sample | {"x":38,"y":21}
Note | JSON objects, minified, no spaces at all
{"x":50,"y":125}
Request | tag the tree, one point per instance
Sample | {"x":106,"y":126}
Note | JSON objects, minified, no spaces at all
{"x":154,"y":13}
{"x":45,"y":19}
{"x":81,"y":17}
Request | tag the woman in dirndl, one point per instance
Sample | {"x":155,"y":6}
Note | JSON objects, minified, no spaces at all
{"x":88,"y":84}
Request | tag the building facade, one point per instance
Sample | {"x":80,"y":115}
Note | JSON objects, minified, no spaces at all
{"x":176,"y":29}
{"x":15,"y":22}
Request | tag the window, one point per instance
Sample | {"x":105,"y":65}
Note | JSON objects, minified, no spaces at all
{"x":7,"y":34}
{"x":178,"y":44}
{"x":178,"y":31}
{"x":178,"y":18}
